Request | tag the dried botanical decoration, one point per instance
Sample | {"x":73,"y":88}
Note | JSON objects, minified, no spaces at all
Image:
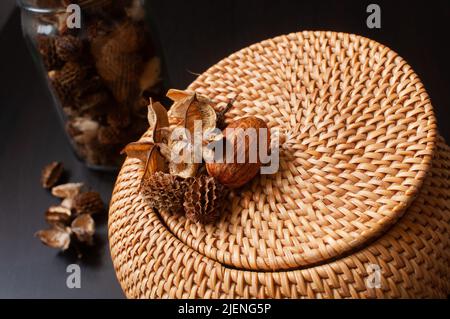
{"x":55,"y":237}
{"x":69,"y":190}
{"x":203,"y":200}
{"x":236,"y":173}
{"x":71,"y":221}
{"x":68,"y":48}
{"x":88,"y":203}
{"x":51,"y":174}
{"x":163,"y":191}
{"x":47,"y":48}
{"x":83,"y":226}
{"x":58,"y":215}
{"x":188,"y":110}
{"x":221,"y":124}
{"x":100,"y":76}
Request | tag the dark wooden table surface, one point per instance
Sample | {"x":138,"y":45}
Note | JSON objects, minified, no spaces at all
{"x":194,"y":35}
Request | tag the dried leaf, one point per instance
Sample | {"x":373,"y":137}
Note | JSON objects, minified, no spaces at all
{"x":51,"y":174}
{"x":157,"y":119}
{"x":84,"y":228}
{"x":56,"y":237}
{"x":186,"y":111}
{"x":177,"y":95}
{"x":58,"y":215}
{"x":69,"y":190}
{"x":149,"y":154}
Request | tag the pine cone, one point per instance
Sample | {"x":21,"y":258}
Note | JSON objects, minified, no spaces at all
{"x":47,"y":49}
{"x":88,"y":203}
{"x":68,"y":48}
{"x":164,"y":192}
{"x":66,"y":79}
{"x":203,"y":201}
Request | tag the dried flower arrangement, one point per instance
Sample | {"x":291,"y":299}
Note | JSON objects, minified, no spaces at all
{"x":100,"y":75}
{"x":176,"y":182}
{"x":71,"y":221}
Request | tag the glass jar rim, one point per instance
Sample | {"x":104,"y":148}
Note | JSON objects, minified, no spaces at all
{"x":27,"y":6}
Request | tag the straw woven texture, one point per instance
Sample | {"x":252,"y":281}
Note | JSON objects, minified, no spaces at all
{"x":363,"y":181}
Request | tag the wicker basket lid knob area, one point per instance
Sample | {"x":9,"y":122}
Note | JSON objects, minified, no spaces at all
{"x":357,"y":138}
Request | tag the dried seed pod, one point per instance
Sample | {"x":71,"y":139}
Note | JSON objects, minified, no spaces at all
{"x":203,"y":200}
{"x":67,"y":203}
{"x":51,"y":174}
{"x":88,"y":203}
{"x":58,"y":215}
{"x":55,"y":237}
{"x":68,"y":47}
{"x":93,"y":101}
{"x":163,"y":192}
{"x":244,"y":137}
{"x":83,"y":129}
{"x":66,"y":79}
{"x":47,"y":48}
{"x":83,"y":226}
{"x":69,"y":190}
{"x":149,"y":154}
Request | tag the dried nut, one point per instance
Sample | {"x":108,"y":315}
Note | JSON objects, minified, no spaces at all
{"x":235,"y":174}
{"x":203,"y":200}
{"x":163,"y":192}
{"x":56,"y":237}
{"x":69,"y":190}
{"x":88,"y":203}
{"x":83,"y":226}
{"x":58,"y":215}
{"x":51,"y":174}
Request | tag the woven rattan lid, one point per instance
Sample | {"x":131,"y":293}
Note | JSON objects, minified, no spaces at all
{"x":358,"y":132}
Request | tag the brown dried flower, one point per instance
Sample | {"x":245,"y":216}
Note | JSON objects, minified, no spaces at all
{"x":163,"y":192}
{"x":203,"y":199}
{"x":88,"y":203}
{"x":51,"y":174}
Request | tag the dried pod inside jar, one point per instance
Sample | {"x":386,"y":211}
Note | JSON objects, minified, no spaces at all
{"x":101,"y":62}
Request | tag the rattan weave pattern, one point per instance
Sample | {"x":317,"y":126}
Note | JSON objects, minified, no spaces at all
{"x":358,"y":134}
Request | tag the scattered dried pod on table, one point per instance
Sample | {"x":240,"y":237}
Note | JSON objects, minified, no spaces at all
{"x":58,"y":215}
{"x":51,"y":174}
{"x":164,"y":192}
{"x":55,"y":237}
{"x":68,"y":47}
{"x":83,"y":226}
{"x":69,"y":190}
{"x":243,"y":137}
{"x":203,"y":200}
{"x":88,"y":203}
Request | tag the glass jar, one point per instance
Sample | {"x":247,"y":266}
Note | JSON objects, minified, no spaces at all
{"x":102,"y":67}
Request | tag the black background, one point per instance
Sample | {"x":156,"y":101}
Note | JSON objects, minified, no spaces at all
{"x":194,"y":35}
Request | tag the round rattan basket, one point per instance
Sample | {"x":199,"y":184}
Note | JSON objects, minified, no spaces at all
{"x":360,"y":205}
